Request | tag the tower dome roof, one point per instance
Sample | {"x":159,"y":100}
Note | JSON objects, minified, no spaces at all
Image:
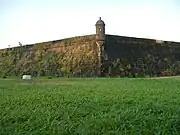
{"x":100,"y":22}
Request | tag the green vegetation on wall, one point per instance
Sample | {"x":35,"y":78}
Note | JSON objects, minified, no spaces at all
{"x":78,"y":56}
{"x":135,"y":57}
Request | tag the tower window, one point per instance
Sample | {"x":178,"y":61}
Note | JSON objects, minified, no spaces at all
{"x":100,"y":29}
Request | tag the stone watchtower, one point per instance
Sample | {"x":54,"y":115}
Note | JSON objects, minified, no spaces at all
{"x":100,"y":30}
{"x":100,"y":41}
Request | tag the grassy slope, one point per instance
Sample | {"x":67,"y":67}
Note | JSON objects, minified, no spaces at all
{"x":87,"y":106}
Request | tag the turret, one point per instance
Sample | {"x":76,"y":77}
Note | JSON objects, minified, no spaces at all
{"x":100,"y":30}
{"x":100,"y":41}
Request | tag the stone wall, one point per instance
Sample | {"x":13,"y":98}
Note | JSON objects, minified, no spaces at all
{"x":129,"y":56}
{"x":79,"y":56}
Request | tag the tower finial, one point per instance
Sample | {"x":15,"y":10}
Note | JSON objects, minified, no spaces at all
{"x":99,"y":18}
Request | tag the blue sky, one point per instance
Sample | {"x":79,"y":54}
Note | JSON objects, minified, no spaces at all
{"x":32,"y":21}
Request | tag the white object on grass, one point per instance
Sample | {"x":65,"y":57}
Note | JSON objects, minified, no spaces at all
{"x":26,"y":77}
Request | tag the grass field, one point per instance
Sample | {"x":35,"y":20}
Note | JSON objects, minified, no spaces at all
{"x":90,"y":106}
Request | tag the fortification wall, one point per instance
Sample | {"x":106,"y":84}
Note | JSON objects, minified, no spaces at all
{"x":128,"y":56}
{"x":79,"y":56}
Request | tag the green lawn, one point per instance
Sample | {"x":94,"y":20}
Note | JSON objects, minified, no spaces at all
{"x":90,"y":106}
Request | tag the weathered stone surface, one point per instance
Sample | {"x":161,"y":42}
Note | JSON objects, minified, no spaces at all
{"x":79,"y":56}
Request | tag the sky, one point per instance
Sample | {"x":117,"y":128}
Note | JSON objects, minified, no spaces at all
{"x":34,"y":21}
